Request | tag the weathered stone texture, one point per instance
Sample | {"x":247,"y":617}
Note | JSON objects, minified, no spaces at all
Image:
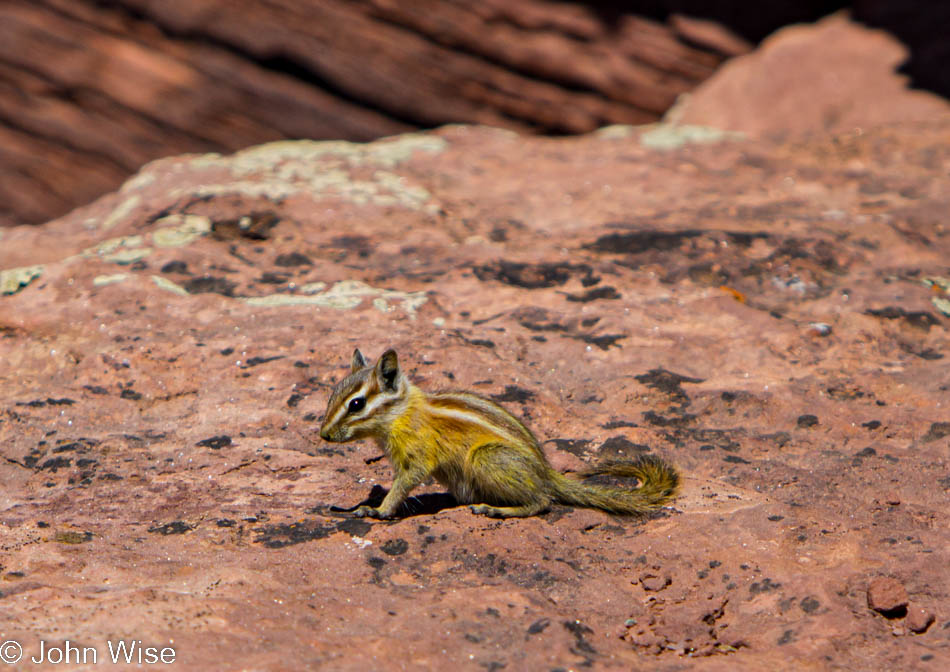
{"x":90,"y":91}
{"x":166,"y":356}
{"x":833,"y":76}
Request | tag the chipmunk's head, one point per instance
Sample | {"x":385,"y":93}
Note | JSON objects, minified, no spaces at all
{"x":366,"y":401}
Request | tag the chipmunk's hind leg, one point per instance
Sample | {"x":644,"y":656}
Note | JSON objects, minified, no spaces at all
{"x":506,"y":482}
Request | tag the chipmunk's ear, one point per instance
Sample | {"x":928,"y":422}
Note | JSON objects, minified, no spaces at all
{"x":387,"y":370}
{"x":358,"y":362}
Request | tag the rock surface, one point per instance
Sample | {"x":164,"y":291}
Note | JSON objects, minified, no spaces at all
{"x":887,"y":595}
{"x":90,"y":91}
{"x":166,"y":354}
{"x":833,"y":76}
{"x":919,"y":619}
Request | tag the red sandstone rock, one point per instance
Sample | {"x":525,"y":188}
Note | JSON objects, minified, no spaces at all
{"x":919,"y":619}
{"x":653,"y":583}
{"x":832,"y":76}
{"x":91,"y":91}
{"x":886,"y":595}
{"x":166,"y":354}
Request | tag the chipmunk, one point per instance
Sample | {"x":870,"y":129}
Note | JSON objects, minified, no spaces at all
{"x":472,"y":446}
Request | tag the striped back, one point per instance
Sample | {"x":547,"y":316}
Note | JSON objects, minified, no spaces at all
{"x":477,"y":415}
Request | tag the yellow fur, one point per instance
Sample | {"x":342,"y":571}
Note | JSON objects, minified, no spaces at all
{"x":474,"y":447}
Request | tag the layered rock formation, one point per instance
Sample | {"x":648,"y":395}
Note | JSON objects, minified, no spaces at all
{"x":92,"y":90}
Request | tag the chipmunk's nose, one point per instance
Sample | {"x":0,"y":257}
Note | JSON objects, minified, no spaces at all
{"x":324,"y":433}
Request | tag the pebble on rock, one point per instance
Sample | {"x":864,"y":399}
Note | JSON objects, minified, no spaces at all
{"x":919,"y":619}
{"x":887,"y":596}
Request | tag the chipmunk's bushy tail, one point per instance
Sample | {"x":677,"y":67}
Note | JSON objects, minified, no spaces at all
{"x":659,"y":484}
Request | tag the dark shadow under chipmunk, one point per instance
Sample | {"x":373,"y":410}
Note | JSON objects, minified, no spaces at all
{"x":474,"y":447}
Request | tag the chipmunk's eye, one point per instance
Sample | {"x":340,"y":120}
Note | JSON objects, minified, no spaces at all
{"x":356,"y":404}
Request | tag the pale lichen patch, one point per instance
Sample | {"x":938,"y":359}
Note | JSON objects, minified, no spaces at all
{"x":615,"y":132}
{"x":672,"y":136}
{"x":272,"y":190}
{"x":121,"y":250}
{"x":125,"y":257}
{"x":110,"y":246}
{"x":121,"y":212}
{"x":304,"y":155}
{"x":15,"y":279}
{"x":301,"y":300}
{"x":410,"y":195}
{"x":179,"y":230}
{"x":940,"y":285}
{"x":137,"y":182}
{"x":103,"y":280}
{"x":346,"y":295}
{"x":168,"y":285}
{"x":313,"y":287}
{"x":943,"y":305}
{"x":322,"y":169}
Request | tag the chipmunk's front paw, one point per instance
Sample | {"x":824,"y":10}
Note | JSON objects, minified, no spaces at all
{"x":366,"y":512}
{"x":372,"y":512}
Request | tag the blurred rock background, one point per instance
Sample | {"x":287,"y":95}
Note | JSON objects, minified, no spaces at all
{"x":91,"y":90}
